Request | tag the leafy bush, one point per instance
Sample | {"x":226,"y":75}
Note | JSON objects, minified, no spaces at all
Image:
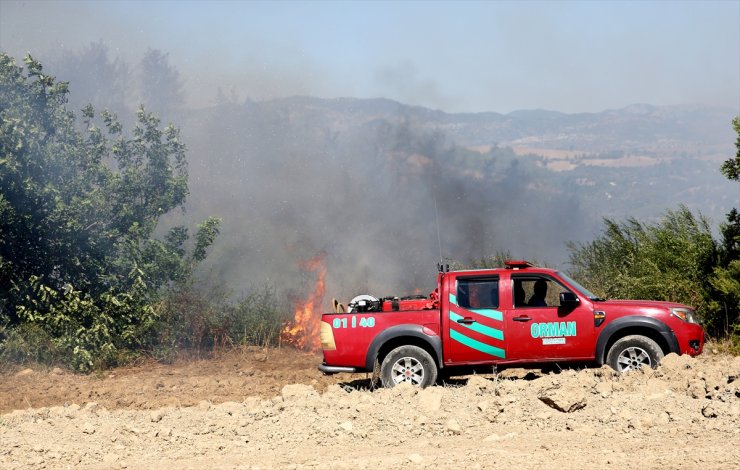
{"x":665,"y":261}
{"x":28,"y":343}
{"x":676,"y":259}
{"x":89,"y":332}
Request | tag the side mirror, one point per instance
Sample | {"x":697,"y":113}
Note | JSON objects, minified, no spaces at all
{"x":569,"y":299}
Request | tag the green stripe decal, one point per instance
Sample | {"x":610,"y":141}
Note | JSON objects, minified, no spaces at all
{"x":488,"y":313}
{"x":477,"y":345}
{"x":478,"y":328}
{"x":453,"y":299}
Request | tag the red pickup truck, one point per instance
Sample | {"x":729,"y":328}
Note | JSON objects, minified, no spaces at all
{"x":519,"y":315}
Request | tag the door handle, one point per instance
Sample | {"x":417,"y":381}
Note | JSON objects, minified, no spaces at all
{"x":466,"y":321}
{"x":522,"y":318}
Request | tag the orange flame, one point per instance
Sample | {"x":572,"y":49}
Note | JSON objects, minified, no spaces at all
{"x":303,"y":332}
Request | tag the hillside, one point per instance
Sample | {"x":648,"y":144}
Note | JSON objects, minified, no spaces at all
{"x":360,"y":179}
{"x":659,"y":130}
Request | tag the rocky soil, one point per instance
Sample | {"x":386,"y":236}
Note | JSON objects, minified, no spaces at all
{"x":685,"y":414}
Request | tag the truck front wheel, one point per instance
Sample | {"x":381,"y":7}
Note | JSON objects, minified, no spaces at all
{"x":632,"y":352}
{"x":409,"y":364}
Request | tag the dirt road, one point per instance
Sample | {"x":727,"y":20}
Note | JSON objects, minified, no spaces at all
{"x":271,"y":409}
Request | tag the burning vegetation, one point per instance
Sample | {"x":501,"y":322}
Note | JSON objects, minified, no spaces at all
{"x":303,"y":331}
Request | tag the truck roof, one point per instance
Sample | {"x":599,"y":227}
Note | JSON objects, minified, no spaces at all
{"x":515,"y":265}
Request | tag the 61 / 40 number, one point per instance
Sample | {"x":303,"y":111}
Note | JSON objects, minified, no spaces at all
{"x":364,"y":322}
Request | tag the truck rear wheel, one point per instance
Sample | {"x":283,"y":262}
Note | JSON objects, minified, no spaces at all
{"x":632,"y":352}
{"x":410,"y":364}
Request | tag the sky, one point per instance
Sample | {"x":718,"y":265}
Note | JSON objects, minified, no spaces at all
{"x":453,"y":56}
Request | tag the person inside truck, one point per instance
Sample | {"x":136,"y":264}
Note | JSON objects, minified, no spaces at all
{"x":477,"y":295}
{"x":540,"y":292}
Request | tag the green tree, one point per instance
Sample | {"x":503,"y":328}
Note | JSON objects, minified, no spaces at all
{"x":731,"y":167}
{"x":79,"y":205}
{"x":726,"y":276}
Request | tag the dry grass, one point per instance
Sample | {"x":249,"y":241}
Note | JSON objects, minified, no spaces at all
{"x":726,"y":346}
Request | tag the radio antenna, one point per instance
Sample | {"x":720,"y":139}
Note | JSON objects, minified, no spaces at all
{"x":439,"y":240}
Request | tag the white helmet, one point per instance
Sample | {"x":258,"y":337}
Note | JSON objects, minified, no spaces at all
{"x":360,"y":301}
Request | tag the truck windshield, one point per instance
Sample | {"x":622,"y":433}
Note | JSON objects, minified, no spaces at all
{"x":579,"y":287}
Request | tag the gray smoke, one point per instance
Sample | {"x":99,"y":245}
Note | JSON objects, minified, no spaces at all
{"x":291,"y":181}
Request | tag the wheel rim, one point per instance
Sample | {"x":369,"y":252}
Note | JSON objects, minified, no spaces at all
{"x":633,"y":358}
{"x":407,"y":369}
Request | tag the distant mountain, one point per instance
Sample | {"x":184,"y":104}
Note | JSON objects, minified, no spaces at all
{"x":639,"y":128}
{"x":367,"y":180}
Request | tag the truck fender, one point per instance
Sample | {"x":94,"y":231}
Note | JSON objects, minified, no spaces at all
{"x":415,"y":331}
{"x":631,"y":322}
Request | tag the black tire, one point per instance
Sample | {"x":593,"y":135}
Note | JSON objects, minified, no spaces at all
{"x":409,"y":364}
{"x":632,"y":352}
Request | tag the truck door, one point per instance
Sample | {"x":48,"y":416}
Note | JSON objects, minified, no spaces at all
{"x":539,"y":328}
{"x":474,"y":323}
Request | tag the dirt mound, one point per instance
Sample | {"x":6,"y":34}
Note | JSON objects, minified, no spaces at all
{"x":685,"y":414}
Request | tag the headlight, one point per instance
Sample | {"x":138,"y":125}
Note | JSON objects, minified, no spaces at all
{"x":684,"y":314}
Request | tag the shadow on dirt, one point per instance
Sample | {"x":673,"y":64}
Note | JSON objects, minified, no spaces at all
{"x":459,"y":377}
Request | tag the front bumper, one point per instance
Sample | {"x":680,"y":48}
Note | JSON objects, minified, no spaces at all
{"x":691,"y":339}
{"x":329,"y":370}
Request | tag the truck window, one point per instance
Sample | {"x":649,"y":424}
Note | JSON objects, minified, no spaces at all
{"x":477,"y":293}
{"x":536,"y":291}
